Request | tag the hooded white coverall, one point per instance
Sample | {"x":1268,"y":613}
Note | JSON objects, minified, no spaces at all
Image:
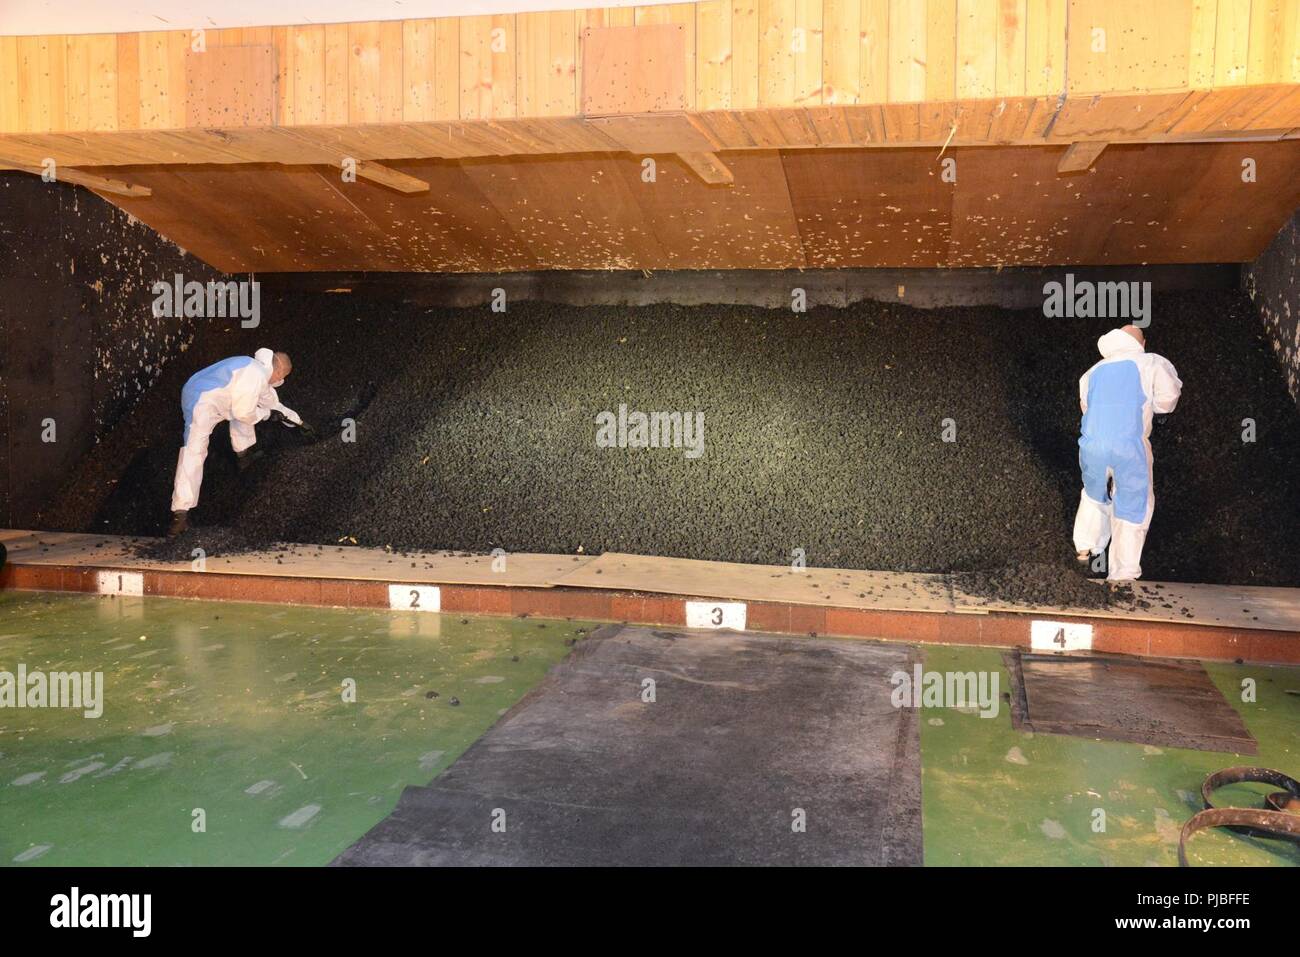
{"x":235,"y":390}
{"x":1119,"y":395}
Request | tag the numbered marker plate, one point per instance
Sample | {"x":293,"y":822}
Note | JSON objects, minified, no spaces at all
{"x":1060,"y":636}
{"x":120,"y":583}
{"x":715,"y":614}
{"x":415,"y":597}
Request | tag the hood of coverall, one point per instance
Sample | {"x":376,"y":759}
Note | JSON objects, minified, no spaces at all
{"x":1117,"y":342}
{"x":266,"y":357}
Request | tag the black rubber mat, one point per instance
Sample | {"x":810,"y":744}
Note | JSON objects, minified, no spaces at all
{"x":744,"y":730}
{"x":1164,"y":702}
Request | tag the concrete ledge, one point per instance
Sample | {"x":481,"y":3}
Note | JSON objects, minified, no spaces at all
{"x":996,"y":629}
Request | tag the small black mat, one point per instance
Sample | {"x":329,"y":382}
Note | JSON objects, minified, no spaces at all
{"x":1160,"y":701}
{"x":744,"y":730}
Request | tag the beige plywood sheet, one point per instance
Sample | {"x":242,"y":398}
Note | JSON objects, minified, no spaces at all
{"x":231,"y":87}
{"x":890,"y":591}
{"x":638,"y":69}
{"x":299,"y":561}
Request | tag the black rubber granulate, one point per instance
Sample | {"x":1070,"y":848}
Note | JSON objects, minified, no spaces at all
{"x":822,"y":432}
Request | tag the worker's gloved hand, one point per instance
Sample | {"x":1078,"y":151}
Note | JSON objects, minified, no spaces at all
{"x":286,"y":417}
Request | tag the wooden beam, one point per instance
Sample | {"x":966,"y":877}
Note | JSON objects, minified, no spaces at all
{"x":708,"y":167}
{"x":384,"y":176}
{"x":80,"y":178}
{"x":1080,"y":156}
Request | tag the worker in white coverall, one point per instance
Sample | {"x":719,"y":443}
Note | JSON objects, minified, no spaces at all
{"x":239,"y":390}
{"x":1119,"y":396}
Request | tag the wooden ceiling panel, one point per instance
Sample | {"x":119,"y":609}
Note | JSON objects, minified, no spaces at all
{"x":788,"y":209}
{"x":859,"y":208}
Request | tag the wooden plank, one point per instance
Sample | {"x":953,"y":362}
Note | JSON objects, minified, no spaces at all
{"x":874,"y":63}
{"x":1232,"y":43}
{"x":337,"y":59}
{"x":10,"y":110}
{"x":487,"y":73}
{"x":67,"y":174}
{"x":307,"y":44}
{"x":713,"y":38}
{"x":55,"y":68}
{"x":708,"y":168}
{"x":1012,"y":47}
{"x":790,"y":53}
{"x":283,"y":55}
{"x":103,"y":83}
{"x":652,"y":133}
{"x":941,"y":50}
{"x":1200,"y":53}
{"x":33,"y":86}
{"x":977,"y":49}
{"x":128,"y":82}
{"x":446,"y":83}
{"x":744,"y":54}
{"x":155,"y":81}
{"x":1291,"y":43}
{"x":418,"y":70}
{"x":393,"y":179}
{"x":1045,"y":47}
{"x":76,"y":104}
{"x":1080,"y":156}
{"x":1267,"y":42}
{"x":375,"y":72}
{"x":907,"y":51}
{"x":546,"y":64}
{"x":841,"y":51}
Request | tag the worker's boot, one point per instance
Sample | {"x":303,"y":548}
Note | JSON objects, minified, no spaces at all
{"x":247,"y":457}
{"x":180,"y":522}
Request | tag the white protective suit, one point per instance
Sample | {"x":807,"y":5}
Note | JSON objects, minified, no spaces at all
{"x":235,"y":390}
{"x":1119,"y":395}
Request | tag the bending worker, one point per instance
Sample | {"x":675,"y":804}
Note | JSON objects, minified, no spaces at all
{"x":239,"y":390}
{"x":1118,"y":396}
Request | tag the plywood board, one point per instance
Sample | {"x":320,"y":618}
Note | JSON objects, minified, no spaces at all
{"x":299,"y":561}
{"x":891,"y":591}
{"x":637,"y":69}
{"x":231,"y":86}
{"x":870,"y":207}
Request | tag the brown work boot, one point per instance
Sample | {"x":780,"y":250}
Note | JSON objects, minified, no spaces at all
{"x":180,"y":522}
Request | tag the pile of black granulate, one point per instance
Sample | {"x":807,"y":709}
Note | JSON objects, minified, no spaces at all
{"x":822,"y":432}
{"x":1043,"y":585}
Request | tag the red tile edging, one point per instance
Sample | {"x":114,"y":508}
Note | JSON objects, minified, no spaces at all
{"x":996,"y":629}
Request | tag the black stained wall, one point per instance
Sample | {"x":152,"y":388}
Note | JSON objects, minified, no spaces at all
{"x":1273,"y":281}
{"x":78,"y":339}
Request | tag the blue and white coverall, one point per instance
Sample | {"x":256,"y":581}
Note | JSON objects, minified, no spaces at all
{"x":1118,"y":396}
{"x":237,"y":390}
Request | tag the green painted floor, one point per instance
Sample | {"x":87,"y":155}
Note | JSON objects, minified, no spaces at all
{"x":238,"y":710}
{"x":992,"y":795}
